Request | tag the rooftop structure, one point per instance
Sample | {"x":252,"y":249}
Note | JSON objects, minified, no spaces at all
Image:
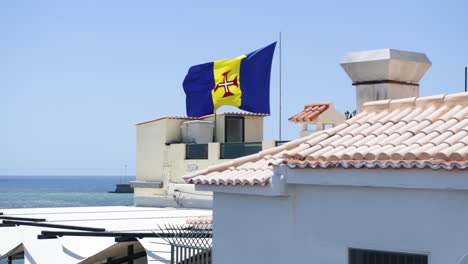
{"x":317,"y":116}
{"x":385,"y":74}
{"x":169,"y":147}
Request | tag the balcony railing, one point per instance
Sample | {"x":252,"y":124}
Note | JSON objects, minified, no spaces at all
{"x":196,"y":151}
{"x":234,"y":150}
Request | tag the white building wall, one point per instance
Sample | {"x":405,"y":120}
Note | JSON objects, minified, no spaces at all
{"x":160,"y":159}
{"x":317,"y":224}
{"x":251,"y":229}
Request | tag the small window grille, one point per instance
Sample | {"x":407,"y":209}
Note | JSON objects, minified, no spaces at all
{"x":363,"y":256}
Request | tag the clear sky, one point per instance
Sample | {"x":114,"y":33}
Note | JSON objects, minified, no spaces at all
{"x":75,"y":76}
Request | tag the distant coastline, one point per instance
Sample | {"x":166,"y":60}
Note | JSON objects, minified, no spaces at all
{"x":61,"y":191}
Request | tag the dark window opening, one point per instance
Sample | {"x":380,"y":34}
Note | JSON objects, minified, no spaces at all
{"x":196,"y":151}
{"x":234,"y":129}
{"x":239,"y":149}
{"x":363,"y":256}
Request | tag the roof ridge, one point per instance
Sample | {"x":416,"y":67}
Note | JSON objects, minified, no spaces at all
{"x":417,"y":101}
{"x":317,"y":104}
{"x":168,"y":117}
{"x":202,"y":117}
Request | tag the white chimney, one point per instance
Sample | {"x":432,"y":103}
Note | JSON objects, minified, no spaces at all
{"x":385,"y":74}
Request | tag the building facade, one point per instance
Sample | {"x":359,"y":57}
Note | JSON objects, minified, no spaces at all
{"x":163,"y":156}
{"x":386,"y":186}
{"x":167,"y":150}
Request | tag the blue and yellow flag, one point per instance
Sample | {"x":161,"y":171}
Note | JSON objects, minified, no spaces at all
{"x":243,"y":82}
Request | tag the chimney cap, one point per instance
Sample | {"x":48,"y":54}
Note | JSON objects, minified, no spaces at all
{"x":386,"y":65}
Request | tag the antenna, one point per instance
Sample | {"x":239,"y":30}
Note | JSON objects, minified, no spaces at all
{"x":125,"y":175}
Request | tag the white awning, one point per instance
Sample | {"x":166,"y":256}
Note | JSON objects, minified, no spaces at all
{"x":158,"y":251}
{"x":80,"y":248}
{"x":45,"y":251}
{"x":16,"y":250}
{"x":113,"y":251}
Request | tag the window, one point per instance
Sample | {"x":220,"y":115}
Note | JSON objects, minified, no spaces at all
{"x":234,"y":150}
{"x":196,"y":151}
{"x":234,"y":129}
{"x":364,"y":256}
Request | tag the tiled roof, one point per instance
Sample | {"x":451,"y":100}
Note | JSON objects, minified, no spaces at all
{"x":202,"y":220}
{"x":250,"y":170}
{"x":420,"y":133}
{"x":381,"y":164}
{"x":426,"y":128}
{"x":310,"y":113}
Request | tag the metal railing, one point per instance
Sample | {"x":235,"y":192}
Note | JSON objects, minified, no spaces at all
{"x":233,"y":150}
{"x":196,"y":151}
{"x":190,"y":255}
{"x":190,"y":244}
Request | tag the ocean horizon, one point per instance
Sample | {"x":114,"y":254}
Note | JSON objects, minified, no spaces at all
{"x":36,"y":191}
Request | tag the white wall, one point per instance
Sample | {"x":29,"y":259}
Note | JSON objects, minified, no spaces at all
{"x":251,"y":229}
{"x":317,"y":224}
{"x":158,"y":161}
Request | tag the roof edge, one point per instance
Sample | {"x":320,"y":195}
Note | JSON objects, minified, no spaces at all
{"x":203,"y":117}
{"x":415,"y":101}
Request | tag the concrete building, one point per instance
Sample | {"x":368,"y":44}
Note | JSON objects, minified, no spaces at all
{"x":164,"y":154}
{"x":167,"y":150}
{"x":387,"y":186}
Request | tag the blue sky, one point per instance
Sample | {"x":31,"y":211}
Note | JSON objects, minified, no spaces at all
{"x":75,"y":76}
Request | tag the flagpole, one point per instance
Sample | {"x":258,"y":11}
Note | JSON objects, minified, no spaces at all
{"x":214,"y":134}
{"x":280,"y":137}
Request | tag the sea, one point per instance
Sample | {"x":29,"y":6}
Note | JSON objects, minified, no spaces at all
{"x":62,"y":191}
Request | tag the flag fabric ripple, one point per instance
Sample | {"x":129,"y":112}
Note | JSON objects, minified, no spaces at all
{"x":242,"y":82}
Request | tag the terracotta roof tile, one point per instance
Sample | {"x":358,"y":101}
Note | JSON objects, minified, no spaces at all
{"x":420,"y":133}
{"x":200,"y":220}
{"x":381,"y":164}
{"x":310,"y":112}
